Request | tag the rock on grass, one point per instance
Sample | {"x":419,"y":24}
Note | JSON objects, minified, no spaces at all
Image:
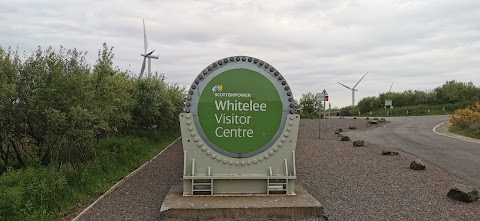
{"x":463,"y":193}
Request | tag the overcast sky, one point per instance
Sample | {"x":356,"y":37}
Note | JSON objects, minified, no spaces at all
{"x":314,"y":44}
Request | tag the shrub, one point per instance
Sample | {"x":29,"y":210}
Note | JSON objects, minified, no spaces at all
{"x":467,"y":118}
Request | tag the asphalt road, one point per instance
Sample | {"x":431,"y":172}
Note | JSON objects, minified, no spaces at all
{"x":415,"y":135}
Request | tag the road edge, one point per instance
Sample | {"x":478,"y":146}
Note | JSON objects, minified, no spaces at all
{"x":122,"y":181}
{"x":459,"y":137}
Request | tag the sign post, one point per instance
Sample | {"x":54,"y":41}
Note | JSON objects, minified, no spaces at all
{"x":388,"y":103}
{"x":239,"y":130}
{"x":320,"y":97}
{"x":329,"y":113}
{"x":325,"y":96}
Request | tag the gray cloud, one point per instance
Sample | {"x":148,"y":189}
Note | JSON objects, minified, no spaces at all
{"x":314,"y":44}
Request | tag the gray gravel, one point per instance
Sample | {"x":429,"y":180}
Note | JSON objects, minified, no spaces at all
{"x":352,"y":183}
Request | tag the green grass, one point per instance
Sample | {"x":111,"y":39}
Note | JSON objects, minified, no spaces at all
{"x":48,"y":193}
{"x":464,"y":132}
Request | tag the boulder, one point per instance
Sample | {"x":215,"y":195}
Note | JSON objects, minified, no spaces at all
{"x":344,"y":138}
{"x":354,"y":117}
{"x":372,"y":122}
{"x":463,"y":193}
{"x":381,"y":120}
{"x":359,"y":143}
{"x":376,"y":118}
{"x":338,"y":131}
{"x":390,"y":153}
{"x":417,"y":165}
{"x":367,"y":118}
{"x":352,"y":127}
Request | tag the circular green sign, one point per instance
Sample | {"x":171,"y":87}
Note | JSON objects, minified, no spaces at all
{"x":240,"y":111}
{"x":239,"y":106}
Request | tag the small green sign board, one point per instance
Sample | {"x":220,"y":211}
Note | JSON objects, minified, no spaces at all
{"x":388,"y":103}
{"x":240,"y":111}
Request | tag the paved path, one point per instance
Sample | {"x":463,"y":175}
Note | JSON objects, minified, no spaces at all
{"x":416,"y":136}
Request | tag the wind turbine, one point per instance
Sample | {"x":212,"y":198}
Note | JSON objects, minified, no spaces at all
{"x":391,"y":87}
{"x":146,"y":55}
{"x":353,"y":89}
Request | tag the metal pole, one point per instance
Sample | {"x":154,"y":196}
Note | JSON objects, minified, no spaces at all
{"x":324,"y":113}
{"x":329,"y":114}
{"x":319,"y":123}
{"x":149,"y":67}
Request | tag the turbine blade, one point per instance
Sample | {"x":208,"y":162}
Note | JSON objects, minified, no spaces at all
{"x":143,"y":67}
{"x":360,"y":80}
{"x":391,"y":87}
{"x":150,"y":53}
{"x":145,"y":43}
{"x":345,"y":85}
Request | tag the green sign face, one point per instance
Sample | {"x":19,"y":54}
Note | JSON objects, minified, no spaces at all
{"x":388,"y":102}
{"x":240,"y":111}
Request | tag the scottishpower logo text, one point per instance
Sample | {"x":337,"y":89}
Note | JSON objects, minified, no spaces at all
{"x":217,"y":89}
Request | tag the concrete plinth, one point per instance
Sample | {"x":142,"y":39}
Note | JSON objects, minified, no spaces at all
{"x":268,"y":207}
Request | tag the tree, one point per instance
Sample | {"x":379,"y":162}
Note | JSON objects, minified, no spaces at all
{"x":308,"y":103}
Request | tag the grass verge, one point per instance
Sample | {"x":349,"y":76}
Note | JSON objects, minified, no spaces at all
{"x":48,"y":193}
{"x":464,"y":132}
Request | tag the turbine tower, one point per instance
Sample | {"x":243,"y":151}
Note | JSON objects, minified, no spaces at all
{"x":353,"y":89}
{"x":146,"y":55}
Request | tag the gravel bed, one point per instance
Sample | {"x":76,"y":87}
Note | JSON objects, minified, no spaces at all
{"x":358,"y":183}
{"x":352,"y":183}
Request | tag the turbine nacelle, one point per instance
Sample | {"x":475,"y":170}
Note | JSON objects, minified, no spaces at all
{"x":353,"y":89}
